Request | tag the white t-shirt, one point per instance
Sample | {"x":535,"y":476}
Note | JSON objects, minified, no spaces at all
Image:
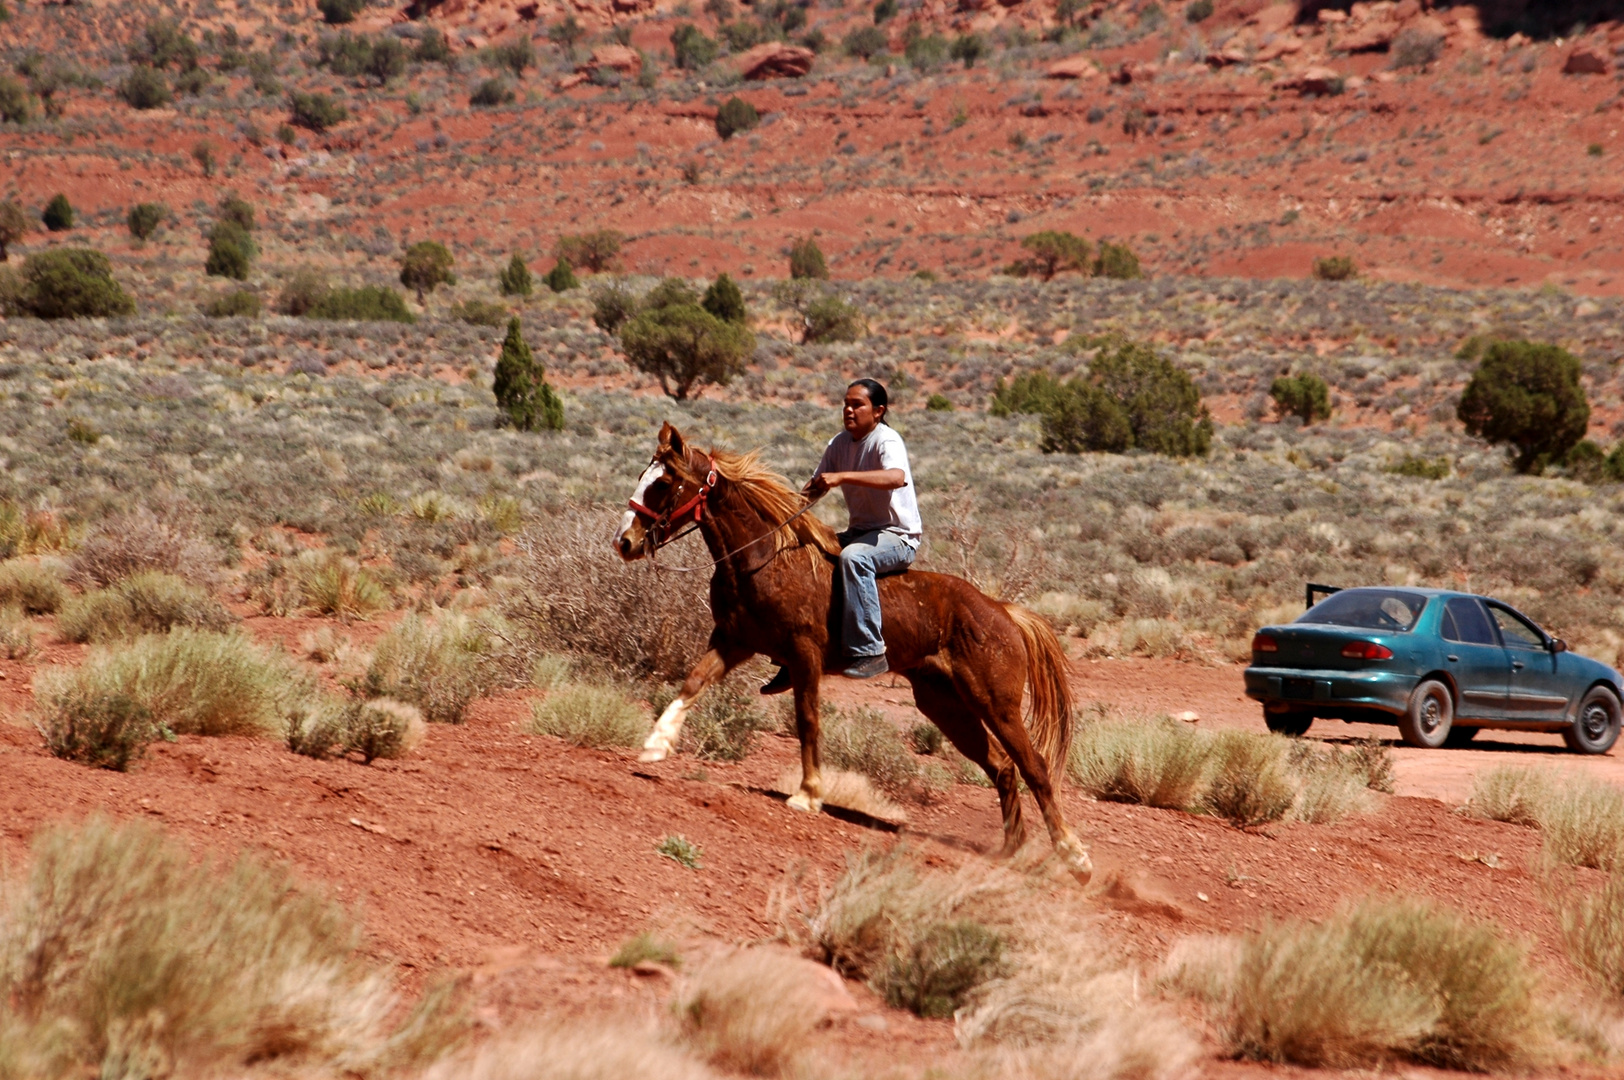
{"x":874,"y":508}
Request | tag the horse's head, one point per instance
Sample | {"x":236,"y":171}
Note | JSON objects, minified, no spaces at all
{"x":670,"y":494}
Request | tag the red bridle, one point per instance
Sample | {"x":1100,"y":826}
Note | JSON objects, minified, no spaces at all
{"x":659,"y":524}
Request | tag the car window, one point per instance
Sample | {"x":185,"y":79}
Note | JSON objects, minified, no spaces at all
{"x":1465,"y":622}
{"x":1517,"y":631}
{"x":1367,"y":609}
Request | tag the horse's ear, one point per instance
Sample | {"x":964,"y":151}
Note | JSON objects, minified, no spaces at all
{"x":671,"y":442}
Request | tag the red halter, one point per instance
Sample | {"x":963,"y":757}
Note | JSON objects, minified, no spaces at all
{"x":659,"y":524}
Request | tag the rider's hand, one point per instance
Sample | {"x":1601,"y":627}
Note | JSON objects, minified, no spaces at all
{"x":820,"y":484}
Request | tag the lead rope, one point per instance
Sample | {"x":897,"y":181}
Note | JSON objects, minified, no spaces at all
{"x":744,"y":547}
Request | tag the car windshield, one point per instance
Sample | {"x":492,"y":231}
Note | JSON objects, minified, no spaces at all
{"x":1367,"y":609}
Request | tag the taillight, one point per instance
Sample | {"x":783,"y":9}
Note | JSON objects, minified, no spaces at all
{"x":1366,"y":650}
{"x":1264,"y":643}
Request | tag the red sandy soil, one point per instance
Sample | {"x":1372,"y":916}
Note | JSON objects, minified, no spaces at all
{"x":526,"y":861}
{"x":1472,"y":171}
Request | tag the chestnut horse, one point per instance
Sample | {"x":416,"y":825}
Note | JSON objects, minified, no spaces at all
{"x":968,"y":657}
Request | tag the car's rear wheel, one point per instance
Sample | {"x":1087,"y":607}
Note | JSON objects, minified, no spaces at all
{"x":1430,"y":715}
{"x":1294,"y":724}
{"x":1595,"y":729}
{"x":1459,"y":736}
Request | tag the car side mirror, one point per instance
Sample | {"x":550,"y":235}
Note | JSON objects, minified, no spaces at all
{"x":1558,"y":645}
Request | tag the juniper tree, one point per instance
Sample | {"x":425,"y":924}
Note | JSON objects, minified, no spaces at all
{"x":516,"y":279}
{"x":426,"y":265}
{"x":521,"y":389}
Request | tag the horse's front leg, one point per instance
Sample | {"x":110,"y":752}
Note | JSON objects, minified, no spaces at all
{"x":807,"y":726}
{"x":721,"y":658}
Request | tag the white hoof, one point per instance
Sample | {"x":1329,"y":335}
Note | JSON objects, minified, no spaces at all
{"x":1076,"y":859}
{"x":654,"y":753}
{"x":801,"y":801}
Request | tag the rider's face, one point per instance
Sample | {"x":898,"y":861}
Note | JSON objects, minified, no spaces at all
{"x":859,"y":414}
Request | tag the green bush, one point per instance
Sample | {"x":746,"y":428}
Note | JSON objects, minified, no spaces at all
{"x":150,"y":602}
{"x":968,"y":48}
{"x":520,"y":385}
{"x":13,"y":226}
{"x":338,"y":12}
{"x":303,"y":291}
{"x":685,"y":346}
{"x":595,"y":251}
{"x":491,"y":94}
{"x":231,"y":251}
{"x":941,"y":968}
{"x":1030,"y":392}
{"x":1586,"y":461}
{"x":425,"y":266}
{"x":515,"y":55}
{"x":318,"y":112}
{"x":925,"y":52}
{"x":145,"y":88}
{"x":1117,"y":261}
{"x":516,"y":280}
{"x":938,"y":403}
{"x":591,"y":716}
{"x":1198,"y":11}
{"x":36,"y":589}
{"x":1250,"y":783}
{"x":432,"y":47}
{"x":1334,"y":268}
{"x":58,"y":215}
{"x":1420,"y":468}
{"x":440,"y":666}
{"x":16,"y":106}
{"x":242,"y":303}
{"x":734,"y":116}
{"x":561,"y":278}
{"x":69,"y":283}
{"x":565,"y":33}
{"x":725,"y":300}
{"x":1083,"y":417}
{"x":1162,"y":403}
{"x":369,"y":303}
{"x":613,"y":304}
{"x":476,"y":312}
{"x":722,"y":726}
{"x":376,"y":728}
{"x":1528,"y":396}
{"x":194,"y":682}
{"x":864,"y":42}
{"x":830,"y":318}
{"x":1304,"y":395}
{"x":144,"y":219}
{"x":863,"y":741}
{"x":885,"y":10}
{"x":806,"y":260}
{"x":109,"y":731}
{"x":690,"y":48}
{"x":1053,"y":252}
{"x":1154,"y":763}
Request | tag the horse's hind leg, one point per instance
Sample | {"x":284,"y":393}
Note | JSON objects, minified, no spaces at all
{"x":721,"y":658}
{"x":1004,"y":721}
{"x":940,"y":702}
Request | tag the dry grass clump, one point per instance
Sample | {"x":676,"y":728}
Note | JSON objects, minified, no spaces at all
{"x":590,"y":715}
{"x":571,"y":1050}
{"x":723,"y":724}
{"x":145,"y":539}
{"x":1250,"y":783}
{"x":864,"y":741}
{"x":34,"y":587}
{"x":752,"y":1010}
{"x":1159,"y":762}
{"x":190,"y":682}
{"x":1382,"y":979}
{"x":16,"y":634}
{"x":646,"y":948}
{"x":438,"y":665}
{"x":847,"y":790}
{"x":376,"y":728}
{"x":122,"y":956}
{"x":1593,"y":931}
{"x":1580,"y":818}
{"x":334,"y":584}
{"x":148,"y":602}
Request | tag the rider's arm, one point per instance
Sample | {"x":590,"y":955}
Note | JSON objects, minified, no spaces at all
{"x":884,"y":479}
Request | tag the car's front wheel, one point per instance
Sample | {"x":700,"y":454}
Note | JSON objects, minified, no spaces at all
{"x":1595,"y":730}
{"x":1295,"y":724}
{"x":1430,"y":715}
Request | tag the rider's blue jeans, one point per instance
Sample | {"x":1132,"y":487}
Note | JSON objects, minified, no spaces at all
{"x":864,"y":557}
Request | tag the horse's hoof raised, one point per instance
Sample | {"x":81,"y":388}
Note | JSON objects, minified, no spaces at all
{"x":653,"y":754}
{"x":1076,"y":860}
{"x":801,"y":801}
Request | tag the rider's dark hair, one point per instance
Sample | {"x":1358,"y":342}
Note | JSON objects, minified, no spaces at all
{"x":876,"y":392}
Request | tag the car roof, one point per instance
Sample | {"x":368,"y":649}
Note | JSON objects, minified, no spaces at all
{"x":1419,"y":590}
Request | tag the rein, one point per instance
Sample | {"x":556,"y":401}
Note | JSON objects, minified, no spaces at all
{"x":658,"y":523}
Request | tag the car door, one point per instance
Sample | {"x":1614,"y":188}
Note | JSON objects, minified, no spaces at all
{"x":1537,"y":689}
{"x":1479,"y":664}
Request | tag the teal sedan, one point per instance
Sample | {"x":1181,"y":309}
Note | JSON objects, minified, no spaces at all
{"x":1441,"y":665}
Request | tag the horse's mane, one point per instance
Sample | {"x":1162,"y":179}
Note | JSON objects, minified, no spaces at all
{"x":770,"y":495}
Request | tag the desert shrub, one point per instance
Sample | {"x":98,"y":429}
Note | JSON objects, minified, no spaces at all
{"x":1155,"y":763}
{"x":515,"y":55}
{"x":1581,"y":821}
{"x":864,"y":42}
{"x":924,"y":52}
{"x":734,"y":116}
{"x":149,"y":602}
{"x":806,"y":260}
{"x":680,"y":850}
{"x":939,"y":403}
{"x":16,"y":634}
{"x":1415,"y":47}
{"x":594,"y":251}
{"x":863,"y":741}
{"x":724,"y":300}
{"x":1334,"y":268}
{"x":751,"y":1011}
{"x":476,"y":312}
{"x":239,"y":303}
{"x":491,"y":94}
{"x":193,"y":682}
{"x":145,"y":88}
{"x":425,"y":266}
{"x":109,"y":731}
{"x":315,"y":111}
{"x":1593,"y":930}
{"x":685,"y":346}
{"x":1029,"y":392}
{"x":231,"y":251}
{"x":33,"y":588}
{"x":99,"y":981}
{"x":516,"y":280}
{"x":1528,"y":396}
{"x":523,"y":395}
{"x":577,"y":1050}
{"x":1386,"y":977}
{"x":339,"y":12}
{"x":645,"y":948}
{"x":722,"y":726}
{"x":303,"y":291}
{"x":1510,"y":793}
{"x":1586,"y":461}
{"x":13,"y":226}
{"x":145,"y":538}
{"x":587,"y":715}
{"x":375,"y":728}
{"x":612,"y":305}
{"x":1198,"y":11}
{"x":832,"y":318}
{"x":690,"y":48}
{"x":58,"y":215}
{"x":885,"y":10}
{"x":1083,"y":417}
{"x":1420,"y":468}
{"x":330,"y":583}
{"x":968,"y":48}
{"x":1163,"y":406}
{"x":1250,"y":783}
{"x":439,"y":666}
{"x":68,"y":283}
{"x":16,"y":106}
{"x":344,"y":54}
{"x":1117,"y":261}
{"x":561,"y":278}
{"x":1053,"y":252}
{"x":386,"y":60}
{"x":1332,"y":784}
{"x":368,"y":303}
{"x":1304,"y":395}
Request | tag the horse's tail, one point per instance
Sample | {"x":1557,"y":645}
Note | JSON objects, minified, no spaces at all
{"x":1048,"y":714}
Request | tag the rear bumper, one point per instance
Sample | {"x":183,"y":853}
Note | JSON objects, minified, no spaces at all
{"x":1330,"y":694}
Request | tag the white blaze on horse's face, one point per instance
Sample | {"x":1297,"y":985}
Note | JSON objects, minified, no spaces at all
{"x":631,"y":539}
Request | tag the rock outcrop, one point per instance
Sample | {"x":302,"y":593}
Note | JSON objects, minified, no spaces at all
{"x":775,"y":60}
